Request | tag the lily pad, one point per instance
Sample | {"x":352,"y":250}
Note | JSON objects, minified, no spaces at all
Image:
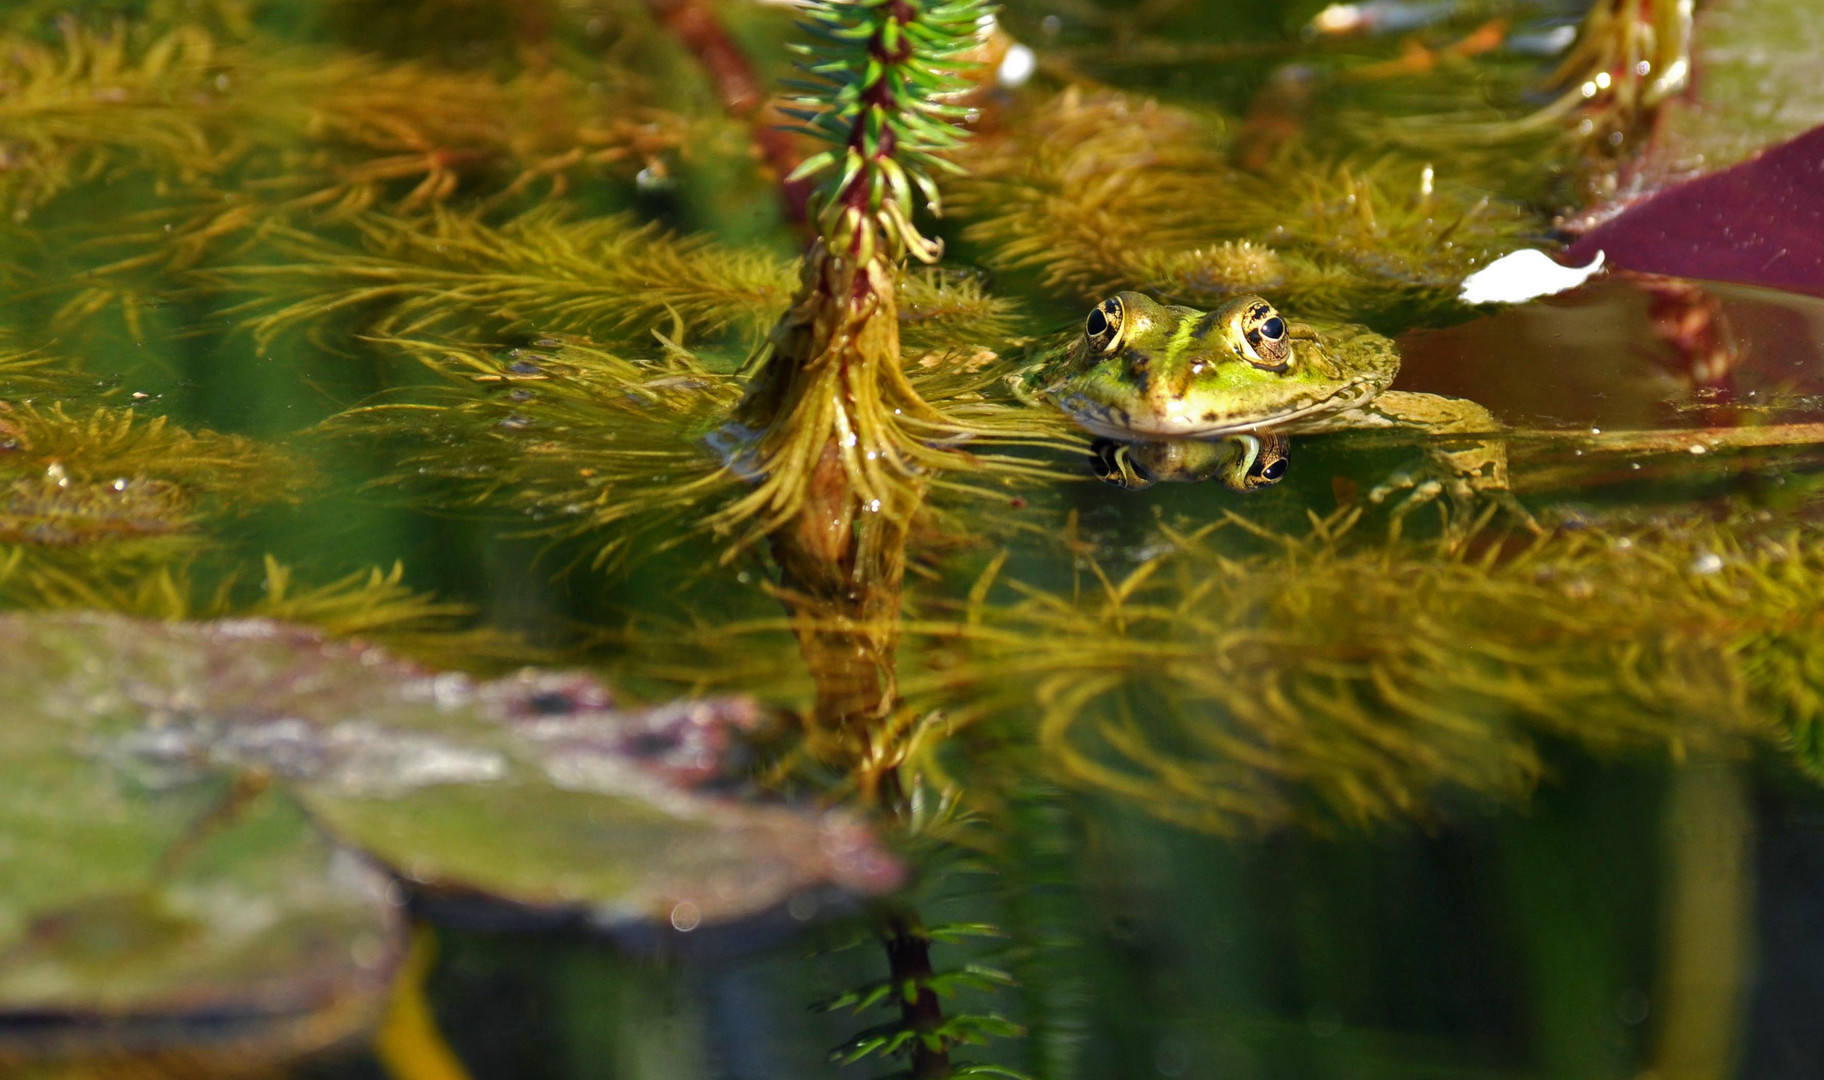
{"x":1727,"y":188}
{"x":214,"y":913}
{"x":198,"y":815}
{"x":1760,"y":222}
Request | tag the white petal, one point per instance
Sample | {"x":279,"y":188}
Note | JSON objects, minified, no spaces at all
{"x":1522,"y":275}
{"x":1017,"y":66}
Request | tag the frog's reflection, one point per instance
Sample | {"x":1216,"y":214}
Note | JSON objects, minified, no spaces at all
{"x":1240,"y":462}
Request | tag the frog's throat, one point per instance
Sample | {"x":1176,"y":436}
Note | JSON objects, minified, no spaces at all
{"x":1115,"y":422}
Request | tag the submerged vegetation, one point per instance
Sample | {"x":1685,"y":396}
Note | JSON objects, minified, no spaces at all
{"x":297,"y":130}
{"x":1330,"y":682}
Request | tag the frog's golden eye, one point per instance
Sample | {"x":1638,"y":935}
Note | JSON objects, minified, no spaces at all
{"x":1103,"y":327}
{"x":1262,"y":462}
{"x":1265,"y":341}
{"x":1268,"y":469}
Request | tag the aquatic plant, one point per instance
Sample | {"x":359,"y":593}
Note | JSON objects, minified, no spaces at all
{"x":109,"y":443}
{"x":76,"y":474}
{"x":914,"y":987}
{"x":179,"y":579}
{"x":232,"y":19}
{"x":1101,"y":191}
{"x":1629,"y":61}
{"x":829,"y":402}
{"x":297,"y":130}
{"x":1322,"y":682}
{"x":1240,"y":679}
{"x":546,"y":272}
{"x":104,"y":508}
{"x":1750,"y":91}
{"x":603,"y":446}
{"x":75,"y":108}
{"x":574,"y":438}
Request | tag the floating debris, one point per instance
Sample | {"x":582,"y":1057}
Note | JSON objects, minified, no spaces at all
{"x":1525,"y":275}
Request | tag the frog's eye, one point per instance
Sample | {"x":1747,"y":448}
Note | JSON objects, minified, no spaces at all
{"x":1265,"y":457}
{"x":1265,"y":343}
{"x":1103,"y":327}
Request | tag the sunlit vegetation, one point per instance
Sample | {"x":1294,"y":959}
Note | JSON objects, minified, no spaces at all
{"x":610,"y":277}
{"x":1103,"y":191}
{"x":559,"y":312}
{"x":332,"y":133}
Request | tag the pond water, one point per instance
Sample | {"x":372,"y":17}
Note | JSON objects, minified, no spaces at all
{"x":1180,"y":782}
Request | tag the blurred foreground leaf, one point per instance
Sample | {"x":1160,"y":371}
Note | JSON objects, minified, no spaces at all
{"x":183,"y":827}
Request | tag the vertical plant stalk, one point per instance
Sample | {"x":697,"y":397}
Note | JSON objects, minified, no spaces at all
{"x":830,"y":382}
{"x":1631,"y":57}
{"x":842,"y":442}
{"x":909,"y":964}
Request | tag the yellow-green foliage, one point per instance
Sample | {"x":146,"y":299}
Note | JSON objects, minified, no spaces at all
{"x":74,"y":471}
{"x":160,"y":580}
{"x":27,"y":371}
{"x":230,"y":19}
{"x":302,"y":129}
{"x":585,"y":441}
{"x":77,"y":108}
{"x":609,"y":277}
{"x":1327,"y":680}
{"x":1101,"y":191}
{"x":108,"y":444}
{"x":567,"y":433}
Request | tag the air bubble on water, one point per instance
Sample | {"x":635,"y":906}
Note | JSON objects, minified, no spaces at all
{"x":651,"y":180}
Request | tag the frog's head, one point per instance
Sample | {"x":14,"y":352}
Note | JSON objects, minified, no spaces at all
{"x":1142,"y":369}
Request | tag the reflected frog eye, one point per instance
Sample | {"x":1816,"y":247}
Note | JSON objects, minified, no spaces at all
{"x":1265,"y":456}
{"x":1103,"y":327}
{"x":1263,"y":336}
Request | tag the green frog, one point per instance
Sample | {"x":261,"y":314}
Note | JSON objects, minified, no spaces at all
{"x":1181,"y":385}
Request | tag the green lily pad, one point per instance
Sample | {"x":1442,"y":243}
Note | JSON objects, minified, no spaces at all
{"x":213,"y":913}
{"x":199,"y":817}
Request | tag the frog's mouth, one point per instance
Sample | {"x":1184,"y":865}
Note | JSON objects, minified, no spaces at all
{"x":1115,"y":422}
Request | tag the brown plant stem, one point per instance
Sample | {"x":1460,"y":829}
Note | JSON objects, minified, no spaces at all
{"x":739,"y":89}
{"x":841,"y":578}
{"x":909,"y":959}
{"x":833,"y":380}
